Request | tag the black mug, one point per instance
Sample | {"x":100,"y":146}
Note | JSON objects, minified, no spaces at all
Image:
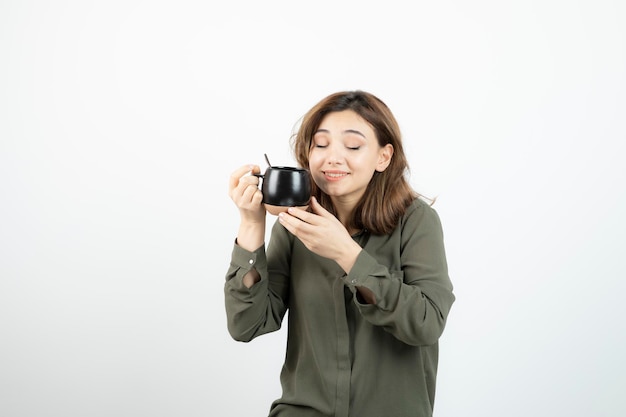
{"x":285,"y":187}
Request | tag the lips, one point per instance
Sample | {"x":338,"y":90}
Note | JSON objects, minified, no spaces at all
{"x":335,"y":175}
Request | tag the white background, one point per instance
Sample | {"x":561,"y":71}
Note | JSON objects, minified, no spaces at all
{"x":120,"y":122}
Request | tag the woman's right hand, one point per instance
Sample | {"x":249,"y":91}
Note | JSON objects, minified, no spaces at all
{"x":244,"y":190}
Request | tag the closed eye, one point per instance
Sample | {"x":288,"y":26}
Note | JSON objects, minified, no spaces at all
{"x":354,"y":148}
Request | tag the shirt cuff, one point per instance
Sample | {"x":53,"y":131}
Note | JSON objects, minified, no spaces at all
{"x":361,"y":273}
{"x":246,"y":260}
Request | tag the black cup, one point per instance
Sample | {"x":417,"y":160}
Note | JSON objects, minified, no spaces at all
{"x":285,"y":187}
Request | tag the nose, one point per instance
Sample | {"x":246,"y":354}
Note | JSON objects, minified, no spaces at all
{"x":335,"y":156}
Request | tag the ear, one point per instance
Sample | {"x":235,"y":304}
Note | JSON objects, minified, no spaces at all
{"x":384,"y":157}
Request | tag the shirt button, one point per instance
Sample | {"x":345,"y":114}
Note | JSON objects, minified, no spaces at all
{"x":251,"y":261}
{"x":353,"y":281}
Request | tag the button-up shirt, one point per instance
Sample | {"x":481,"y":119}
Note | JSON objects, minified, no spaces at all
{"x":346,"y":358}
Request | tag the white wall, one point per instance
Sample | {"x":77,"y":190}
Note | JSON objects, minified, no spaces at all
{"x":120,"y":122}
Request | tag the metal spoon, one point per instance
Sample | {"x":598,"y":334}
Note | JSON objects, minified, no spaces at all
{"x":268,"y":164}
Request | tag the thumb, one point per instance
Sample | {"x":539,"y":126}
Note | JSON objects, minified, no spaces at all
{"x":318,"y":209}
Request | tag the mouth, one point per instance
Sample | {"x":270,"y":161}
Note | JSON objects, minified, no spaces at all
{"x":334,"y":175}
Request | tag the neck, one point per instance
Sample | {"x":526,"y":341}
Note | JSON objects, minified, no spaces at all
{"x":345,"y":212}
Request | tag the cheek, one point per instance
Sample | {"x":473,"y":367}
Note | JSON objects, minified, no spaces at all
{"x":318,"y":179}
{"x":314,"y":160}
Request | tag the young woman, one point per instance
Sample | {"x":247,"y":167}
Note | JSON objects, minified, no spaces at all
{"x":363,"y":272}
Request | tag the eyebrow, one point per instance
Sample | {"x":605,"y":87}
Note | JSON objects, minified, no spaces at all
{"x":353,"y":131}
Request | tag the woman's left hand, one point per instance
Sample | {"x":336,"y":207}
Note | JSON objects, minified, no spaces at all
{"x":322,"y":233}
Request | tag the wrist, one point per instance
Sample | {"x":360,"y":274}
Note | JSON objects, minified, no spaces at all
{"x":251,"y":235}
{"x":348,"y":258}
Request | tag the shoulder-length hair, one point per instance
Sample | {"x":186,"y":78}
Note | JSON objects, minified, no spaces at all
{"x":388,"y":193}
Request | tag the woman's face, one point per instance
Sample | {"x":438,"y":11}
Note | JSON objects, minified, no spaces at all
{"x":344,"y":155}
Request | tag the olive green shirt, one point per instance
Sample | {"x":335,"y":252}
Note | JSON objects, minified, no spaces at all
{"x":345,"y":358}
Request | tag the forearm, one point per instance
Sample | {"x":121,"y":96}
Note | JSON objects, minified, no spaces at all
{"x":252,"y":311}
{"x":413,"y":312}
{"x":249,"y":312}
{"x":251,"y":235}
{"x":365,"y":295}
{"x":251,"y":278}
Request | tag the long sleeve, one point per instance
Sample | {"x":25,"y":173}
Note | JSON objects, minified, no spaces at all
{"x":261,"y":308}
{"x":414,"y":293}
{"x":336,"y":346}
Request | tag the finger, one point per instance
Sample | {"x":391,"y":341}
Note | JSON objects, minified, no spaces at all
{"x":233,"y":181}
{"x":255,"y":169}
{"x":319,"y":209}
{"x":249,"y":192}
{"x":292,"y":223}
{"x":316,"y":206}
{"x":246,"y":188}
{"x":244,"y":191}
{"x":248,"y":180}
{"x":302,"y":215}
{"x":235,"y":177}
{"x":257,"y":197}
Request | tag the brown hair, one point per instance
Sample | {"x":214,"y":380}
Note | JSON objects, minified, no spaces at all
{"x":388,"y":193}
